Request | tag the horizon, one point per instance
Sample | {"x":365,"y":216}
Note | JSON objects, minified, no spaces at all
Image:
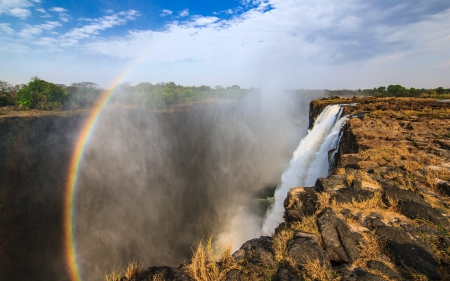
{"x":250,"y":43}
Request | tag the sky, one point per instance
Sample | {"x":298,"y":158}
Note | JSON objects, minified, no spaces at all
{"x":292,"y":44}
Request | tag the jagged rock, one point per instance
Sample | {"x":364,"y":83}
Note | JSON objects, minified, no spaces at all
{"x":407,"y":247}
{"x":444,"y":188}
{"x":384,"y":268}
{"x":161,"y":273}
{"x":413,"y":206}
{"x":304,"y":248}
{"x":257,"y":251}
{"x":373,"y":220}
{"x":362,"y":275}
{"x":284,"y":273}
{"x":299,"y":202}
{"x":349,"y":161}
{"x":357,"y":274}
{"x":331,"y":184}
{"x":233,"y":275}
{"x":339,"y":241}
{"x":352,"y":194}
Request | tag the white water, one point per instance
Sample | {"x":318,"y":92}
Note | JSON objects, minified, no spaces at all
{"x":309,"y":162}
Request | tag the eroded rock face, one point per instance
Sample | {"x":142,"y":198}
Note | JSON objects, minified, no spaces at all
{"x":408,"y":247}
{"x":304,"y":248}
{"x":339,"y":241}
{"x":256,"y":251}
{"x":383,"y":212}
{"x":299,"y":202}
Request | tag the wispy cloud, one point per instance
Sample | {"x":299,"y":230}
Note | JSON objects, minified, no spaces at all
{"x":4,"y":27}
{"x":17,"y":8}
{"x":166,"y":13}
{"x":58,"y":10}
{"x":62,"y":13}
{"x":184,"y":13}
{"x":96,"y":25}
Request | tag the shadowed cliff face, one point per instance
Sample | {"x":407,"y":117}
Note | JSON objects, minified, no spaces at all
{"x":151,"y":184}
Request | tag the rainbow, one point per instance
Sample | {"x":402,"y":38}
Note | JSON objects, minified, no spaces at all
{"x":77,"y":156}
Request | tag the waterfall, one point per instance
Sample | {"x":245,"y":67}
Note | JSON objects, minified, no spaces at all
{"x":309,"y":161}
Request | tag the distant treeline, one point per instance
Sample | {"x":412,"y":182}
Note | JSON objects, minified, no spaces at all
{"x":40,"y":94}
{"x":394,"y":91}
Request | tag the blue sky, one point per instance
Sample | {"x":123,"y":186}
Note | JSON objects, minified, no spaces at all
{"x":285,"y":43}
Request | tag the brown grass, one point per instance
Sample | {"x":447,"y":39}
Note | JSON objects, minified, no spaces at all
{"x":313,"y":270}
{"x":132,"y":269}
{"x":113,"y":276}
{"x":204,"y":265}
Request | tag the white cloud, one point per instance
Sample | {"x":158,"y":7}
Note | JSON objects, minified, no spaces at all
{"x":48,"y":25}
{"x":96,"y":25}
{"x":20,"y":12}
{"x":4,"y":27}
{"x":30,"y":31}
{"x":184,"y":13}
{"x":62,"y":13}
{"x":166,"y":13}
{"x":58,"y":10}
{"x":17,"y":8}
{"x":291,"y":41}
{"x":46,"y":41}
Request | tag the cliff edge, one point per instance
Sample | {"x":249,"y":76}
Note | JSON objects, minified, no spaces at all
{"x":382,"y":214}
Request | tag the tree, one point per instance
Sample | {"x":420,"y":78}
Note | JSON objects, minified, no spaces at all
{"x":41,"y":94}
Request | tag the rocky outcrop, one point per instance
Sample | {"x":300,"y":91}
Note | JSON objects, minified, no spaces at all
{"x":382,"y":214}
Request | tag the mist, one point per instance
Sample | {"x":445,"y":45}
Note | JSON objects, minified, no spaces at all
{"x":153,"y":183}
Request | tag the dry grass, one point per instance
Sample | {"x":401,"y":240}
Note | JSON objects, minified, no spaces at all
{"x":393,"y":204}
{"x":280,"y":240}
{"x":204,"y":266}
{"x":323,"y":201}
{"x":158,"y":277}
{"x":371,"y":249}
{"x":314,"y":270}
{"x":132,"y":269}
{"x":374,"y":204}
{"x":113,"y":276}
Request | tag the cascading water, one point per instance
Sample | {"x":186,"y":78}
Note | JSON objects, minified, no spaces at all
{"x":309,"y":162}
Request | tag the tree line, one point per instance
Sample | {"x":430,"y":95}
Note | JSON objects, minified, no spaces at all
{"x":43,"y":95}
{"x":395,"y":91}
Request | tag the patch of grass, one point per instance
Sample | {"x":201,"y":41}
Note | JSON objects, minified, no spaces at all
{"x":113,"y":276}
{"x":204,"y":265}
{"x":314,"y":270}
{"x":132,"y":269}
{"x":280,"y":240}
{"x":323,"y":201}
{"x":371,"y":249}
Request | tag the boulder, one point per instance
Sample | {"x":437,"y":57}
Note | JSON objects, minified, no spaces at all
{"x":285,"y":273}
{"x":331,"y":184}
{"x":407,"y":247}
{"x":384,"y":268}
{"x":339,"y":241}
{"x":299,"y":202}
{"x":257,"y":251}
{"x":352,"y":194}
{"x":415,"y":207}
{"x":304,"y":248}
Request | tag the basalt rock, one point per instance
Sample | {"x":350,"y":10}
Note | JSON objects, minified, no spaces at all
{"x":304,"y":248}
{"x":339,"y":241}
{"x":409,"y":248}
{"x":414,"y":206}
{"x":299,"y":202}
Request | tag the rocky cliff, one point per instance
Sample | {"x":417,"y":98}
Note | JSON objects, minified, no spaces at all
{"x":382,"y":214}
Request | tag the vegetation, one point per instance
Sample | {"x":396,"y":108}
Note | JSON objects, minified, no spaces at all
{"x":395,"y":91}
{"x":43,"y":95}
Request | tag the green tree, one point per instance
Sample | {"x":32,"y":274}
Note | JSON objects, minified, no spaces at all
{"x":41,"y":94}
